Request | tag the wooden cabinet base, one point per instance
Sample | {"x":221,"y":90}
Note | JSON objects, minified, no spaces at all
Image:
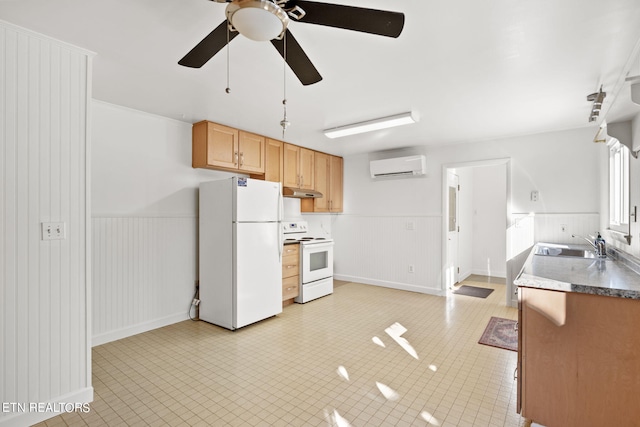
{"x":580,"y":359}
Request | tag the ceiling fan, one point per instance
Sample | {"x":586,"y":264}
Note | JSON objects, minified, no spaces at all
{"x":263,"y":20}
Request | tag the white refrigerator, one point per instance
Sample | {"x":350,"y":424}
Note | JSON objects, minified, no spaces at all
{"x":240,"y":251}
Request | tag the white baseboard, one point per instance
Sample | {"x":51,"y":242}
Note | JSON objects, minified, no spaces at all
{"x":118,"y":334}
{"x":480,"y":272}
{"x":463,"y":276}
{"x":392,"y":285}
{"x":28,"y":418}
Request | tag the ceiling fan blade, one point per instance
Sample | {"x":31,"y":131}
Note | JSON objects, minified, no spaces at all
{"x":208,"y":47}
{"x":297,"y":60}
{"x":372,"y":21}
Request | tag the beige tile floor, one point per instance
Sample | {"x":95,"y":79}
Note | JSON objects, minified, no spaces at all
{"x":325,"y":363}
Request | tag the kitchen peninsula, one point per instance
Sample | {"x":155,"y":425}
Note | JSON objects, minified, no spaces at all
{"x":578,"y":347}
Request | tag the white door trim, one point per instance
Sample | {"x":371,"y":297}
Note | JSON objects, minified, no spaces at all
{"x":444,"y":181}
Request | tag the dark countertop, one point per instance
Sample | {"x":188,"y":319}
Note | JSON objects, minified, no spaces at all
{"x":614,"y":276}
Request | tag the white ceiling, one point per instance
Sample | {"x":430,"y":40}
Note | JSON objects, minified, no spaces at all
{"x":473,"y":70}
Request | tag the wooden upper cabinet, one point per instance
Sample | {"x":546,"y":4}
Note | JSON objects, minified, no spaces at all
{"x":307,"y":166}
{"x":217,"y":146}
{"x":298,"y":167}
{"x":291,"y":176}
{"x":328,"y":181}
{"x":251,"y":150}
{"x":336,"y":183}
{"x":274,"y":152}
{"x":214,"y":145}
{"x":322,"y":180}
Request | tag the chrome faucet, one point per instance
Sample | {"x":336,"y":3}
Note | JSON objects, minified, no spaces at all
{"x":597,"y":243}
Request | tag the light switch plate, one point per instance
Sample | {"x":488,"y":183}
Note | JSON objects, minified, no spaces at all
{"x":53,"y":231}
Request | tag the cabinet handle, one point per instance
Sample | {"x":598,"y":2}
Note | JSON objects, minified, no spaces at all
{"x":515,"y":374}
{"x":235,"y":162}
{"x":241,"y":159}
{"x":289,"y":289}
{"x":290,"y":266}
{"x":515,"y":326}
{"x":289,"y":250}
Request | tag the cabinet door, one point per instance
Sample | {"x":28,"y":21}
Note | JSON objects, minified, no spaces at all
{"x":290,"y":162}
{"x":306,"y":169}
{"x":336,"y":184}
{"x":322,"y":171}
{"x":251,"y":152}
{"x":580,"y":364}
{"x":273,"y":168}
{"x":222,"y":146}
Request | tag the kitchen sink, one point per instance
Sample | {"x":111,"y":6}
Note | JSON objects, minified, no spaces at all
{"x":564,"y":252}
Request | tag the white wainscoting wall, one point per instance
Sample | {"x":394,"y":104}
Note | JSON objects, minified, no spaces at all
{"x":144,"y":221}
{"x":45,"y":354}
{"x":143,"y":274}
{"x":548,"y":227}
{"x":377,"y":250}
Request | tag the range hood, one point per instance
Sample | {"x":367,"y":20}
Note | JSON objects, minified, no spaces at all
{"x":300,"y":193}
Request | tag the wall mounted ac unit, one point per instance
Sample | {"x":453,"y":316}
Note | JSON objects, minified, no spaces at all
{"x":399,"y":166}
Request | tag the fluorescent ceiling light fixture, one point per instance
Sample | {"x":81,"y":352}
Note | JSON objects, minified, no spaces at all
{"x":371,"y":125}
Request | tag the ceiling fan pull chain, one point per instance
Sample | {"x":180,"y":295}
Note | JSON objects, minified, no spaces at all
{"x":284,"y":123}
{"x":228,"y":89}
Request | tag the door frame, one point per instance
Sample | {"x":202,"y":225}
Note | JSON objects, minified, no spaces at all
{"x":445,"y":203}
{"x":452,"y":259}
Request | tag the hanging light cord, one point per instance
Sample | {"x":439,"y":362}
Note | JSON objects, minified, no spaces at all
{"x":228,"y":89}
{"x":284,"y":123}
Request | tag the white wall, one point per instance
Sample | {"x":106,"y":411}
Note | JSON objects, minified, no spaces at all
{"x":634,"y":180}
{"x":45,"y":352}
{"x":144,"y":221}
{"x":372,"y":243}
{"x":465,"y":221}
{"x":489,"y":220}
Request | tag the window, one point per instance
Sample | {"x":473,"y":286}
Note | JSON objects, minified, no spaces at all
{"x":619,"y":187}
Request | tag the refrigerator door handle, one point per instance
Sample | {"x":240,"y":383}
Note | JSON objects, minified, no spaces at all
{"x":280,"y":231}
{"x":280,"y":205}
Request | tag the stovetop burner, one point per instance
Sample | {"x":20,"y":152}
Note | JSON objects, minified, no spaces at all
{"x":300,"y":230}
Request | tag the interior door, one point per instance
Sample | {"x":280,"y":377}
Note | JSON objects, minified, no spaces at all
{"x":452,"y":229}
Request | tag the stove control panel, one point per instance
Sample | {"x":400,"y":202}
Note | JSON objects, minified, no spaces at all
{"x":294,"y":227}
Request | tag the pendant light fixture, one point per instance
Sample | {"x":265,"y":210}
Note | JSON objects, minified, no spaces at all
{"x":259,"y":20}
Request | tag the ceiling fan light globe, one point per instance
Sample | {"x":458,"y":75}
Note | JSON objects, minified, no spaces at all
{"x":259,"y":20}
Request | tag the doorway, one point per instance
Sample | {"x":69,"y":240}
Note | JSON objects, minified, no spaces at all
{"x":476,"y":206}
{"x":452,"y":262}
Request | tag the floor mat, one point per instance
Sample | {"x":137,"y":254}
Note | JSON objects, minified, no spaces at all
{"x":500,"y":333}
{"x":473,"y":291}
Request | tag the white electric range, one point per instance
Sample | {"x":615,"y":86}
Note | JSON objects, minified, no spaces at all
{"x":316,"y":260}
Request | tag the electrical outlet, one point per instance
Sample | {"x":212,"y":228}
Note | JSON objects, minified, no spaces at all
{"x":53,"y":231}
{"x":411,"y":268}
{"x":195,"y":302}
{"x":411,"y":225}
{"x":534,"y":196}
